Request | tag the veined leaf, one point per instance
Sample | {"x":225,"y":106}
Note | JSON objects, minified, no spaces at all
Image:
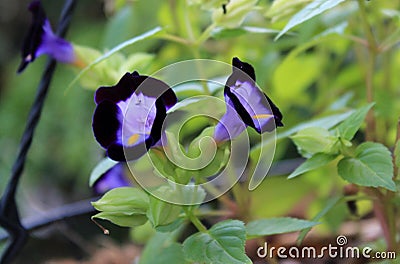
{"x":223,"y":243}
{"x":311,"y":10}
{"x":371,"y":166}
{"x":279,"y":225}
{"x":316,"y":161}
{"x":350,"y":126}
{"x":163,"y":248}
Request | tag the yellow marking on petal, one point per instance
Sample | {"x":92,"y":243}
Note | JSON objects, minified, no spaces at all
{"x":261,"y":116}
{"x":79,"y":63}
{"x":133,"y":139}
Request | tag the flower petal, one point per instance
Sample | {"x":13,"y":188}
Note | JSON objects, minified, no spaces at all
{"x":113,"y":178}
{"x":131,"y":113}
{"x":41,"y":40}
{"x":130,"y":82}
{"x":107,"y":123}
{"x":254,"y":107}
{"x":230,"y":125}
{"x":34,"y":37}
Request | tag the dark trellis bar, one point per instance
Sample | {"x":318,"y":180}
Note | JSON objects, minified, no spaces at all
{"x":9,"y":216}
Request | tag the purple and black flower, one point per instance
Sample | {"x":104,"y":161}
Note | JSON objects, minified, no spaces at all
{"x":113,"y":178}
{"x":41,"y":40}
{"x":246,"y":105}
{"x":129,"y":116}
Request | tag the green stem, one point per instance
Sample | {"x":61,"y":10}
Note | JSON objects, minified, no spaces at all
{"x":384,"y":208}
{"x":193,"y":218}
{"x":205,"y":35}
{"x":175,"y":39}
{"x":372,"y":54}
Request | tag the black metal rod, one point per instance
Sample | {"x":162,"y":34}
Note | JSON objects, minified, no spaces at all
{"x":9,"y":216}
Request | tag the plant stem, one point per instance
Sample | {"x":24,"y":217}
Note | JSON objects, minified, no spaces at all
{"x":384,"y":208}
{"x":372,"y":54}
{"x":193,"y":218}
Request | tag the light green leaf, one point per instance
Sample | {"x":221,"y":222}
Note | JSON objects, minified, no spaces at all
{"x":316,"y":161}
{"x":279,"y":225}
{"x":311,"y":10}
{"x":121,"y":219}
{"x":162,"y":213}
{"x":284,"y":8}
{"x":100,"y":169}
{"x":221,"y":32}
{"x":350,"y":126}
{"x":208,"y":4}
{"x":329,"y":205}
{"x":125,"y":206}
{"x":123,"y":199}
{"x":162,"y":249}
{"x":223,"y":243}
{"x":371,"y":166}
{"x":236,"y":11}
{"x":326,"y":122}
{"x":312,"y":140}
{"x":114,"y":50}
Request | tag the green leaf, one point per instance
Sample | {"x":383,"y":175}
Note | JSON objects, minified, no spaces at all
{"x":162,"y":213}
{"x":162,"y":249}
{"x":114,"y":50}
{"x":315,"y":139}
{"x":311,"y":10}
{"x":316,"y":161}
{"x":329,"y":205}
{"x":371,"y":166}
{"x":279,"y":225}
{"x":284,"y":8}
{"x":121,"y":219}
{"x":100,"y":169}
{"x":223,"y":243}
{"x":125,"y":206}
{"x":221,"y":32}
{"x":326,"y":122}
{"x":350,"y":126}
{"x":236,"y":11}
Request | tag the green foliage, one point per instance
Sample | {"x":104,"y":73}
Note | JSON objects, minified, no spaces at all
{"x":352,"y":124}
{"x":315,"y":140}
{"x":371,"y":166}
{"x":236,"y":12}
{"x":124,"y":206}
{"x":273,"y":226}
{"x":101,"y":168}
{"x":222,"y":243}
{"x":162,"y":213}
{"x":314,"y":162}
{"x":309,"y":11}
{"x":163,"y":248}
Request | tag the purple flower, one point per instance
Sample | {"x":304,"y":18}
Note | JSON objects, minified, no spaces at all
{"x":129,"y":116}
{"x":246,"y":105}
{"x":41,"y":40}
{"x":113,"y":178}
